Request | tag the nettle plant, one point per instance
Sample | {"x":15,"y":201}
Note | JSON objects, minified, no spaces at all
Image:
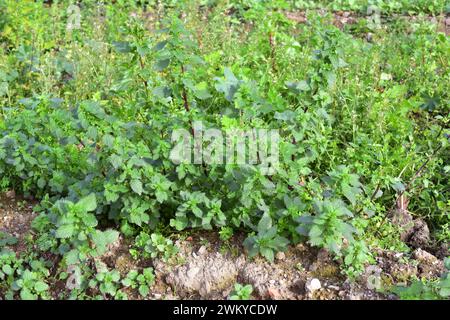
{"x":102,"y":159}
{"x":328,"y":227}
{"x":153,"y":245}
{"x":108,"y":283}
{"x":141,"y":281}
{"x":241,"y":292}
{"x":25,"y":276}
{"x":266,"y":241}
{"x":73,"y":225}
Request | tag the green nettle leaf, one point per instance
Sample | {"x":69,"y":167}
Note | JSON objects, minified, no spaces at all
{"x":445,"y":292}
{"x":287,"y":115}
{"x":267,"y":253}
{"x":349,"y":193}
{"x":7,"y":269}
{"x":94,"y":108}
{"x":40,"y":286}
{"x":116,"y":161}
{"x":447,"y":263}
{"x":108,"y":140}
{"x":229,"y":86}
{"x":72,"y":257}
{"x":102,"y":239}
{"x":265,"y":223}
{"x":65,"y":231}
{"x":88,"y":203}
{"x":41,"y":183}
{"x":25,"y":294}
{"x":160,"y":45}
{"x":315,"y":231}
{"x":331,"y":78}
{"x":161,"y":64}
{"x":144,"y":290}
{"x":3,"y":88}
{"x":136,"y":186}
{"x":122,"y":46}
{"x":180,"y":223}
{"x":162,"y":91}
{"x":297,"y":86}
{"x":90,"y":220}
{"x":201,"y":91}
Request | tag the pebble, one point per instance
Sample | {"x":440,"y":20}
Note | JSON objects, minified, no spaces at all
{"x":11,"y":194}
{"x":280,"y":256}
{"x":202,"y":250}
{"x":336,"y":288}
{"x":273,"y":294}
{"x":313,"y":285}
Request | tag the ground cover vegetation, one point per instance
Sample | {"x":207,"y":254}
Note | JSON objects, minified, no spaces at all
{"x":87,"y":113}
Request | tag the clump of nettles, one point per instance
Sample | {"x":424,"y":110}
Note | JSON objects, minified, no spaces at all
{"x":152,"y":246}
{"x":356,"y":130}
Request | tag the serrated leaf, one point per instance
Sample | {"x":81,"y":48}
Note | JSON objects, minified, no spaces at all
{"x":267,"y":253}
{"x":7,"y":269}
{"x":201,"y":91}
{"x":297,"y":86}
{"x":102,"y":239}
{"x":88,"y":203}
{"x":90,"y":220}
{"x":144,"y":290}
{"x":136,"y":186}
{"x":40,"y":286}
{"x":116,"y":161}
{"x":122,"y":46}
{"x":161,"y":64}
{"x":265,"y":223}
{"x":72,"y":257}
{"x":65,"y":231}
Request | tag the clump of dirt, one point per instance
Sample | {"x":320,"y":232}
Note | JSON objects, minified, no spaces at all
{"x":16,"y":215}
{"x":429,"y":266}
{"x":210,"y":271}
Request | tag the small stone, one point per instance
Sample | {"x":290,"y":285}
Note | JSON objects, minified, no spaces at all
{"x":280,"y":256}
{"x":202,"y":251}
{"x":332,"y":287}
{"x":398,"y":255}
{"x":11,"y":194}
{"x":313,"y":285}
{"x":273,"y":294}
{"x":272,"y":281}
